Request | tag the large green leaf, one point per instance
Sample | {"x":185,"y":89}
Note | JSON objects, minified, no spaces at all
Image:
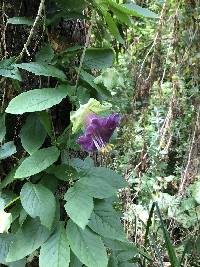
{"x":42,"y":69}
{"x":8,"y":69}
{"x":37,"y":200}
{"x":28,"y":238}
{"x":32,"y":134}
{"x":37,"y":162}
{"x":98,"y":58}
{"x":55,"y":252}
{"x":20,"y":21}
{"x":135,"y":10}
{"x":7,"y":150}
{"x":2,"y":127}
{"x":87,"y":246}
{"x":96,"y":187}
{"x":5,"y":241}
{"x":109,"y":176}
{"x":131,"y":9}
{"x":79,"y":206}
{"x":106,"y":222}
{"x":36,"y":100}
{"x":100,"y":182}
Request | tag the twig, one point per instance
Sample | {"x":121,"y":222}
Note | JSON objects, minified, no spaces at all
{"x":184,"y":176}
{"x":84,"y":51}
{"x":39,"y":14}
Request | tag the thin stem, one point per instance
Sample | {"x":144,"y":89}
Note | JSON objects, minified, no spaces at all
{"x":39,"y":14}
{"x":11,"y":202}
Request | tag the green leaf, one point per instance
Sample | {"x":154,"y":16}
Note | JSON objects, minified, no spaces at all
{"x":72,"y":5}
{"x":106,"y":222}
{"x":28,"y":238}
{"x":46,"y":121}
{"x":37,"y":162}
{"x":55,"y":252}
{"x":36,"y":100}
{"x":7,"y":150}
{"x":74,"y":261}
{"x":32,"y":134}
{"x":117,"y":245}
{"x":196,"y":192}
{"x":8,"y":69}
{"x":109,"y":176}
{"x":88,"y":78}
{"x":8,"y":179}
{"x":63,"y":172}
{"x":96,"y":187}
{"x":135,"y":10}
{"x":49,"y":181}
{"x":98,"y":58}
{"x":79,"y":206}
{"x":169,"y":246}
{"x":42,"y":69}
{"x":131,"y":9}
{"x":45,"y":54}
{"x":20,"y":21}
{"x":5,"y":241}
{"x":113,"y":27}
{"x":121,"y":16}
{"x":20,"y":263}
{"x":2,"y":127}
{"x":37,"y":200}
{"x":87,"y":246}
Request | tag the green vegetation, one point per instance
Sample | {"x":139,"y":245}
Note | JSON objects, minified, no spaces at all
{"x":99,"y":133}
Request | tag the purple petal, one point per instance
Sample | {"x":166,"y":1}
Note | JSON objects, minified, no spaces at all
{"x":98,"y":131}
{"x":86,"y":142}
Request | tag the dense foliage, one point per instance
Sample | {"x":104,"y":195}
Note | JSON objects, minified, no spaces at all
{"x":70,"y":72}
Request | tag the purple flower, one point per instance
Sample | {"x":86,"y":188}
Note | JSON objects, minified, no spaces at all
{"x":98,"y":131}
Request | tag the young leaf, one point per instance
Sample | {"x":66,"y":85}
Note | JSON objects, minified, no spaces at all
{"x":37,"y":200}
{"x":98,"y":58}
{"x":7,"y":150}
{"x":36,"y":100}
{"x":29,"y":238}
{"x":20,"y":21}
{"x":37,"y":162}
{"x":55,"y":252}
{"x":2,"y":127}
{"x":79,"y":206}
{"x":32,"y":134}
{"x":42,"y":69}
{"x":87,"y":246}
